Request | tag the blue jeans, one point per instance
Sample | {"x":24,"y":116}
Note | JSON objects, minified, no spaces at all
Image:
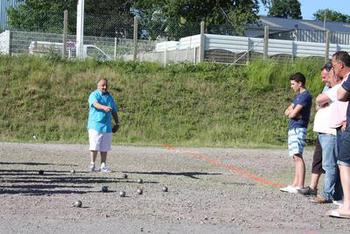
{"x":332,"y":186}
{"x":344,"y":147}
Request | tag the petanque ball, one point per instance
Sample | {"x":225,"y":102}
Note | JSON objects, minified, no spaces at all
{"x":139,"y":191}
{"x":41,"y":172}
{"x":104,"y":189}
{"x":125,"y":176}
{"x":165,"y":189}
{"x":140,"y":181}
{"x":122,"y":193}
{"x":77,"y":203}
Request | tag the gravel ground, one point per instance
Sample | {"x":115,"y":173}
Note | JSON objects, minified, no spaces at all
{"x":211,"y":190}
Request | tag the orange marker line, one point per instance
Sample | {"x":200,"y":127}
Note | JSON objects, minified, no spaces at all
{"x":232,"y":168}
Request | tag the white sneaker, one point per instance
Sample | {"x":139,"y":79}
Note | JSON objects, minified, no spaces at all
{"x":290,"y":189}
{"x":92,"y":167}
{"x":104,"y":168}
{"x":338,"y":203}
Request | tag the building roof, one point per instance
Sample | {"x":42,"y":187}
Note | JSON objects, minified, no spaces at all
{"x":289,"y":24}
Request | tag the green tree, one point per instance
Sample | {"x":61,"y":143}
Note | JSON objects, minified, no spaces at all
{"x":182,"y":17}
{"x":108,"y":17}
{"x":331,"y":15}
{"x":39,"y":15}
{"x":101,"y":17}
{"x":284,"y":9}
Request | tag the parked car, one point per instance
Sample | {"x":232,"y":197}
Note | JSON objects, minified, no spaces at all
{"x":89,"y":51}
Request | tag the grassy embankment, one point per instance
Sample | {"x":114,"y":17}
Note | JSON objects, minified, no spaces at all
{"x":184,"y":104}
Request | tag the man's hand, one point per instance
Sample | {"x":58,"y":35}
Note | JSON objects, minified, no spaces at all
{"x":343,"y":126}
{"x":115,"y":128}
{"x":107,"y":108}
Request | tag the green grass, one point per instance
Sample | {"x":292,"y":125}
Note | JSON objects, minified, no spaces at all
{"x":182,"y":104}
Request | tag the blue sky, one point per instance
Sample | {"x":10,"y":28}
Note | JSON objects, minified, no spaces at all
{"x":308,"y":7}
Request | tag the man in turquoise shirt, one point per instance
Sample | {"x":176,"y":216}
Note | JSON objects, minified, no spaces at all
{"x":102,"y":108}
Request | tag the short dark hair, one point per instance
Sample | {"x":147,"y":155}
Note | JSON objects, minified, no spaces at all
{"x":342,"y":56}
{"x":298,"y":77}
{"x":327,"y":67}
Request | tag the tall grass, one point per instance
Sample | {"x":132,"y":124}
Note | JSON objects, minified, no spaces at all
{"x":183,"y":104}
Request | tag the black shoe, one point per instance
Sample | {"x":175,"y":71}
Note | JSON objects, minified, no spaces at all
{"x":308,"y":191}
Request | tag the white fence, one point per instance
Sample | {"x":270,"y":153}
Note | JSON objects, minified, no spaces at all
{"x":217,"y":48}
{"x":275,"y":47}
{"x":230,"y":49}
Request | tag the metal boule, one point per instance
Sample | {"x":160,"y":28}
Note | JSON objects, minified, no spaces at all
{"x":139,"y":191}
{"x":122,"y":193}
{"x":165,"y":189}
{"x":77,"y":203}
{"x":104,"y":189}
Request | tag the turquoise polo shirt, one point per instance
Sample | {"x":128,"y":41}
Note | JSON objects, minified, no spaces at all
{"x":100,"y":120}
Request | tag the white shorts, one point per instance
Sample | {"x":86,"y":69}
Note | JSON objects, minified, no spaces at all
{"x":100,"y":141}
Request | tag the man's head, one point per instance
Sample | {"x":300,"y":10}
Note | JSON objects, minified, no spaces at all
{"x":297,"y":81}
{"x":325,"y":73}
{"x":341,"y":63}
{"x":332,"y":79}
{"x":102,"y":85}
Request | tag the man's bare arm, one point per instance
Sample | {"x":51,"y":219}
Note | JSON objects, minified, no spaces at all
{"x":102,"y":107}
{"x":342,"y":94}
{"x":295,"y":113}
{"x":288,"y":110}
{"x":322,"y":100}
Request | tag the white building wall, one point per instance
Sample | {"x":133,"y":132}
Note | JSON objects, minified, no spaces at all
{"x":5,"y":42}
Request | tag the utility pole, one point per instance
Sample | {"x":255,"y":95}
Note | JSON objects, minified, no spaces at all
{"x":80,"y":29}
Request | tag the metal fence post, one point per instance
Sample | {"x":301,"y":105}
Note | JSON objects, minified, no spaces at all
{"x":266,"y":42}
{"x":250,"y":46}
{"x":10,"y":42}
{"x":135,"y":38}
{"x":65,"y":31}
{"x":327,"y":35}
{"x":202,"y":43}
{"x":165,"y":58}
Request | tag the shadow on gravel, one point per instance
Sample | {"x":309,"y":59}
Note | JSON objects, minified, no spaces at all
{"x":33,"y":192}
{"x":31,"y":182}
{"x":187,"y":174}
{"x":36,"y":164}
{"x":11,"y":172}
{"x":237,"y":183}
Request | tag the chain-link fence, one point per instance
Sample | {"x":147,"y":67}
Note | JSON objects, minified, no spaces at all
{"x":153,"y":38}
{"x":111,"y":35}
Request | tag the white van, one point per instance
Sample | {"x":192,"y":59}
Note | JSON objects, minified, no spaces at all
{"x":89,"y":51}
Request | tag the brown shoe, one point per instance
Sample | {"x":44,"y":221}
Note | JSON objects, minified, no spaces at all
{"x":320,"y":200}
